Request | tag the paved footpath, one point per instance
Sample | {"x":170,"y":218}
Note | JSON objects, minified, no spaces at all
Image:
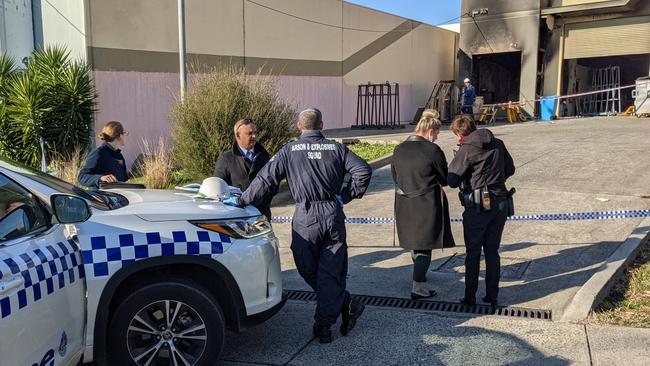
{"x":570,"y":166}
{"x":390,"y":337}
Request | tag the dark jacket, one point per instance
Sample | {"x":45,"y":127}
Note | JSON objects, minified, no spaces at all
{"x":104,"y":160}
{"x":239,"y":172}
{"x":469,"y":96}
{"x":482,"y":160}
{"x":419,"y":170}
{"x":315,"y":168}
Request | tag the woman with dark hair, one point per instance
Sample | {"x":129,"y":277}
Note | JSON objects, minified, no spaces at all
{"x":480,"y":168}
{"x":106,"y":164}
{"x":419,"y":170}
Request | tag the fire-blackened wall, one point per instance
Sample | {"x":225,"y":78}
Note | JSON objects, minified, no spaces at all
{"x":510,"y":26}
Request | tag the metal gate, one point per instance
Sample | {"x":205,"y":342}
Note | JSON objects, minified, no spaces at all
{"x":609,"y":101}
{"x":378,"y":106}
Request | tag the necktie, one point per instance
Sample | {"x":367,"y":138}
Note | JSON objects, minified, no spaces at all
{"x":249,"y":155}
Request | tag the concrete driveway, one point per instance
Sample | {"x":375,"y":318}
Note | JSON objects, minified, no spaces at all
{"x":591,"y":164}
{"x":569,"y":166}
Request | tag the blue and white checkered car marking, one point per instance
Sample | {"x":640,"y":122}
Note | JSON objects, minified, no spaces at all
{"x":109,"y":253}
{"x":45,"y":270}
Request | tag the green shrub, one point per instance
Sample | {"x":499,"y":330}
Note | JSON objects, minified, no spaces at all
{"x":202,"y":123}
{"x":8,"y":72}
{"x":54,"y":99}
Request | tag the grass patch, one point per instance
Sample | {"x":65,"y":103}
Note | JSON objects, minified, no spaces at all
{"x":628,"y":304}
{"x":370,"y":152}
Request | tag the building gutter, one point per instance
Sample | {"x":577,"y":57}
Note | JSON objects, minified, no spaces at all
{"x":599,"y":8}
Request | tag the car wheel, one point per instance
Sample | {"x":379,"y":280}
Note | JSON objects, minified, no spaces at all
{"x":174,"y":322}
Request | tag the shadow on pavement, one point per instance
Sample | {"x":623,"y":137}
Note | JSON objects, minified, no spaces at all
{"x":390,"y":337}
{"x":547,"y":282}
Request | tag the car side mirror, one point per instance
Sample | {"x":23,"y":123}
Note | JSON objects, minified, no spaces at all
{"x":70,"y":209}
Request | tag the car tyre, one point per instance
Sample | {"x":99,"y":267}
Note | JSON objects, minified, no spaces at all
{"x":138,"y":328}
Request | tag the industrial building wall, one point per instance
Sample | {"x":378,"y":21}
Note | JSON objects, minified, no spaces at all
{"x":16,"y":37}
{"x":60,"y":22}
{"x":614,"y":34}
{"x":133,"y":48}
{"x":510,"y":26}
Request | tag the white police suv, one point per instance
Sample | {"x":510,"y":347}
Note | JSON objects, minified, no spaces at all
{"x":126,"y":276}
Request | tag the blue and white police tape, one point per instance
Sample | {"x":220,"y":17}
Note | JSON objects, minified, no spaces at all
{"x":575,"y":216}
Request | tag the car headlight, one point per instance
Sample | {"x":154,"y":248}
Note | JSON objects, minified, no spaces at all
{"x":242,"y":228}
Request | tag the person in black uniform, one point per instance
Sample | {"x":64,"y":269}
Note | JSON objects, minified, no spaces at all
{"x":106,"y":163}
{"x":315,"y":169}
{"x":240,"y":165}
{"x":481,"y":166}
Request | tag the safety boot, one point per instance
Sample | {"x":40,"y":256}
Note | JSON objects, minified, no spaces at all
{"x":467,"y":301}
{"x":323,"y":333}
{"x":351,"y":311}
{"x":493,"y":302}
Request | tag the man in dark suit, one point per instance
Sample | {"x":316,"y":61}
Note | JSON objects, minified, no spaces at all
{"x":240,"y":165}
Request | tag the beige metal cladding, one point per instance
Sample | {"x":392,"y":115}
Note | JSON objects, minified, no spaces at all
{"x":623,"y":36}
{"x":576,"y":2}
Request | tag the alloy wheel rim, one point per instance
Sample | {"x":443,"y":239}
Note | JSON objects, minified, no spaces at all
{"x":166,"y":332}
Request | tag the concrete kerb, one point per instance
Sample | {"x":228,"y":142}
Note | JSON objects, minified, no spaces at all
{"x":594,"y":291}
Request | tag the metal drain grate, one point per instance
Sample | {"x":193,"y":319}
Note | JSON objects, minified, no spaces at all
{"x":393,"y":302}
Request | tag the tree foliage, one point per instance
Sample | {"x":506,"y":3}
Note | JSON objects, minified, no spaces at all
{"x":52,"y":98}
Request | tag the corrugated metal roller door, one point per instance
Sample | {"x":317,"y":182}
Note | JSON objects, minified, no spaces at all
{"x":626,"y":36}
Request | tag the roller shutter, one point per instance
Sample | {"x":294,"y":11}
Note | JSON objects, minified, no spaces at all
{"x":613,"y":37}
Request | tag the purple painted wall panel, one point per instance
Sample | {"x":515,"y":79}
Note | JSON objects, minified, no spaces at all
{"x":142,"y":102}
{"x":321,"y":92}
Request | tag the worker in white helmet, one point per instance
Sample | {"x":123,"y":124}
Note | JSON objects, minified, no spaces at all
{"x":468,"y":98}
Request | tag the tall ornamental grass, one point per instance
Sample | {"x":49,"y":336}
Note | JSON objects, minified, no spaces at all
{"x":67,"y":166}
{"x":157,"y":164}
{"x":202,"y":123}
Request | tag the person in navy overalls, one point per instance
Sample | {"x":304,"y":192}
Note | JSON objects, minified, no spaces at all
{"x":315,"y":168}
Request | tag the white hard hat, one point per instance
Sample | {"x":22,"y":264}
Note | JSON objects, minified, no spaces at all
{"x":466,"y":80}
{"x":214,"y":188}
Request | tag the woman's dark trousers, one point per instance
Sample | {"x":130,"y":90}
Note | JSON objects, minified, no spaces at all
{"x":483,"y":230}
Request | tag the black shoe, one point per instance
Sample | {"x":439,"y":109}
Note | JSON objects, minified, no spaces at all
{"x":415,"y":296}
{"x":468,"y":302}
{"x":351,"y":311}
{"x":493,"y":302}
{"x":323,"y":333}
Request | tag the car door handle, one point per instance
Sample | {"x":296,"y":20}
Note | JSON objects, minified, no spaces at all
{"x":5,"y":286}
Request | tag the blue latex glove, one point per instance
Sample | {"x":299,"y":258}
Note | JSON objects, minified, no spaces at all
{"x":339,"y":199}
{"x":232,"y":201}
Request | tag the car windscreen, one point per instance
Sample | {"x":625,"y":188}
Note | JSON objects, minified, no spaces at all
{"x":99,"y":199}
